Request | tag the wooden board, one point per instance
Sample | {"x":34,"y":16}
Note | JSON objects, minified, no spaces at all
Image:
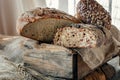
{"x":47,"y":59}
{"x":96,"y":75}
{"x":108,"y":70}
{"x":104,"y":72}
{"x":83,"y":69}
{"x":50,"y":60}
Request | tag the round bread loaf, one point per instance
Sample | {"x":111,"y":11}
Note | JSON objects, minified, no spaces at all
{"x":91,"y":12}
{"x":79,"y":36}
{"x":42,"y":23}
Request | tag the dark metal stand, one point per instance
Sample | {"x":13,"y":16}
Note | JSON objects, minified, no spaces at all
{"x":75,"y":67}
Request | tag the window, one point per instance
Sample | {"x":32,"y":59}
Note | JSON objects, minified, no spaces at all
{"x":69,"y":6}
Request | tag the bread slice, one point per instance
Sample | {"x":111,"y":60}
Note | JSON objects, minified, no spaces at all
{"x":79,"y":36}
{"x":42,"y":23}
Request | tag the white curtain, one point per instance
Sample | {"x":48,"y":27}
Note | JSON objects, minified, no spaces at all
{"x":11,"y":9}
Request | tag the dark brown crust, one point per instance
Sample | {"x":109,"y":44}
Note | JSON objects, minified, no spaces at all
{"x":42,"y":13}
{"x":91,"y":12}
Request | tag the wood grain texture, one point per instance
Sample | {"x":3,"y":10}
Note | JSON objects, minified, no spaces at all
{"x":46,"y":59}
{"x":108,"y":70}
{"x":104,"y":72}
{"x":50,"y":60}
{"x":96,"y":75}
{"x":12,"y":71}
{"x":83,"y":68}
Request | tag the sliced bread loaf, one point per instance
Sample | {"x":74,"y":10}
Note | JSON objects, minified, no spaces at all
{"x":42,"y":23}
{"x":79,"y":36}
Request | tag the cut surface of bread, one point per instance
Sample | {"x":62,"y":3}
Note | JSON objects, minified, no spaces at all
{"x":83,"y":37}
{"x":42,"y":23}
{"x":43,"y":30}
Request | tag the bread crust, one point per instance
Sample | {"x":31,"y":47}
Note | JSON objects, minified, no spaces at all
{"x":91,"y":12}
{"x":42,"y":13}
{"x":79,"y":36}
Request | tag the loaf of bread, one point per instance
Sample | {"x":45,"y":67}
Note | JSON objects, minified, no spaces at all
{"x":91,"y":12}
{"x":79,"y":36}
{"x":42,"y":23}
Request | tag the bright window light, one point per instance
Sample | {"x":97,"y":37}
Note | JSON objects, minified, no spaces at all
{"x":52,"y":3}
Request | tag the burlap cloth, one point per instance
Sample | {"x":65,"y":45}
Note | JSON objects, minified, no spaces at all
{"x":95,"y":57}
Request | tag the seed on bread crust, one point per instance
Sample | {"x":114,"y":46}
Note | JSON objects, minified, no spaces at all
{"x":91,"y":12}
{"x":83,"y":37}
